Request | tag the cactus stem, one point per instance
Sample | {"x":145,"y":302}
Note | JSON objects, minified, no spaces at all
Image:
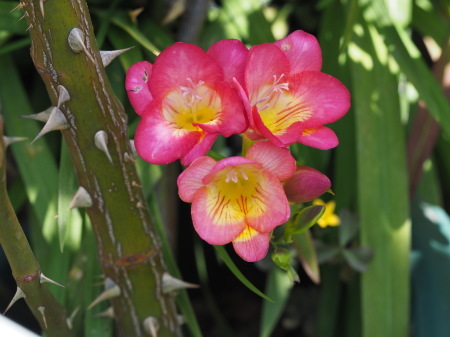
{"x":101,"y":143}
{"x":63,"y":95}
{"x":69,"y":320}
{"x":170,"y":284}
{"x":109,"y":55}
{"x":45,"y":279}
{"x":41,"y":309}
{"x":40,"y":116}
{"x":17,"y":296}
{"x":11,"y":140}
{"x":151,"y":326}
{"x":56,"y":121}
{"x":112,"y":290}
{"x":81,"y":199}
{"x":108,"y":313}
{"x":77,"y":44}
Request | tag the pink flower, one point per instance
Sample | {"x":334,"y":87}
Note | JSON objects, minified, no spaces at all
{"x":287,"y":98}
{"x":185,"y":100}
{"x":241,"y":200}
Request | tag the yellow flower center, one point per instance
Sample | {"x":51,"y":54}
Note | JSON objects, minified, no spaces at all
{"x":193,"y":103}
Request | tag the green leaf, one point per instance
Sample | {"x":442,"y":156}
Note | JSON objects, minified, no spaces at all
{"x":348,"y":228}
{"x":382,"y":185}
{"x":307,"y":254}
{"x":303,"y":220}
{"x":223,"y":255}
{"x":121,"y":20}
{"x":278,"y":288}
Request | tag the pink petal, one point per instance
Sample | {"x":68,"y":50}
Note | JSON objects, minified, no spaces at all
{"x":137,"y":86}
{"x":261,"y":129}
{"x":214,"y":219}
{"x":251,"y":245}
{"x":302,"y":50}
{"x":232,"y":119}
{"x":276,"y":160}
{"x":231,"y":56}
{"x":306,"y":185}
{"x":321,"y":138}
{"x":180,"y":62}
{"x":268,"y":206}
{"x":323,"y":98}
{"x":159,"y":143}
{"x":245,"y":102}
{"x":199,"y":149}
{"x":190,"y":180}
{"x":264,"y":61}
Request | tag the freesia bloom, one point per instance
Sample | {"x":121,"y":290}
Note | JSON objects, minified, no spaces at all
{"x":287,"y":98}
{"x":239,"y":200}
{"x":185,"y":101}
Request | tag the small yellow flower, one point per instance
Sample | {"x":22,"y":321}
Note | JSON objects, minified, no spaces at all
{"x":328,"y":218}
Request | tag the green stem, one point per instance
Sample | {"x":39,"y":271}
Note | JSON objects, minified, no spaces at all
{"x":128,"y":246}
{"x":24,"y":265}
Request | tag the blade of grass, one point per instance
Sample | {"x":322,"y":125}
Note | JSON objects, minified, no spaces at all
{"x":278,"y":288}
{"x":223,"y":255}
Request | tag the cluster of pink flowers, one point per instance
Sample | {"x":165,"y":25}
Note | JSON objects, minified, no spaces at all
{"x":273,"y":93}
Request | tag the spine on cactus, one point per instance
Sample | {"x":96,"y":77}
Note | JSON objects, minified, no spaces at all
{"x":94,"y":126}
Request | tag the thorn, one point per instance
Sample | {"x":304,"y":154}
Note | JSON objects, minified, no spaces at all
{"x":81,"y":199}
{"x":41,"y":6}
{"x":133,"y":148}
{"x":19,"y":6}
{"x":111,"y":290}
{"x":63,"y":95}
{"x":11,"y":140}
{"x":109,"y":55}
{"x":101,"y":143}
{"x":25,"y":15}
{"x":140,"y":205}
{"x":151,"y":326}
{"x":135,"y":184}
{"x":69,"y":320}
{"x":29,"y":27}
{"x":45,"y":279}
{"x":171,"y":284}
{"x":77,"y":44}
{"x":127,"y":157}
{"x":108,"y":313}
{"x":17,"y":296}
{"x":181,"y":320}
{"x":135,"y":13}
{"x":41,"y":309}
{"x":56,"y":121}
{"x":41,"y":116}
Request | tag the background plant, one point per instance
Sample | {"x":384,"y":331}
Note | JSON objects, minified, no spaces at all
{"x":391,"y":55}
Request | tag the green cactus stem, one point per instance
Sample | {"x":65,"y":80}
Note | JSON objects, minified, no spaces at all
{"x":65,"y":54}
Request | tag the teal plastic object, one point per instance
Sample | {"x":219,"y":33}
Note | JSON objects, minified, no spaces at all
{"x":430,"y":271}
